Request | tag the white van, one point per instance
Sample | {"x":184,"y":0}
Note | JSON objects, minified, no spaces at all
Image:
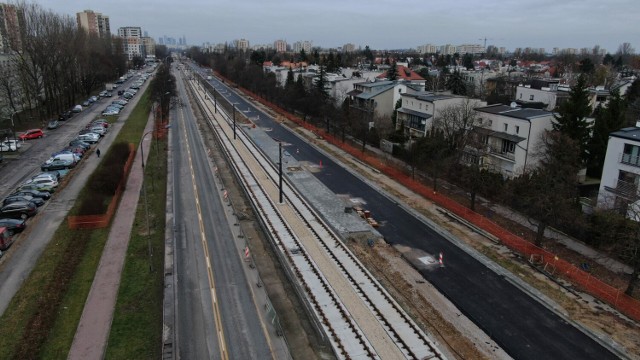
{"x":69,"y":157}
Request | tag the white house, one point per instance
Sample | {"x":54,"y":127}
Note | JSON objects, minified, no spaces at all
{"x":418,"y":110}
{"x":512,"y":136}
{"x":621,"y":172}
{"x":378,"y":98}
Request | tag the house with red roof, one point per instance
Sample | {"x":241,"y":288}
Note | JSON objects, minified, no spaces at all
{"x":405,"y":74}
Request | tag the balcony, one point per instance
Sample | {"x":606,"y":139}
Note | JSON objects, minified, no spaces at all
{"x":497,"y":151}
{"x":626,"y":189}
{"x":629,"y":159}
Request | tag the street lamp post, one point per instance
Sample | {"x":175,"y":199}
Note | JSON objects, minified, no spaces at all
{"x":234,"y":121}
{"x":146,"y":205}
{"x":144,"y":194}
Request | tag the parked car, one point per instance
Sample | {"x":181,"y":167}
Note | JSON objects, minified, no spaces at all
{"x":103,"y":93}
{"x":120,"y":92}
{"x":53,"y":124}
{"x":35,"y":193}
{"x":77,"y":150}
{"x":13,"y":225}
{"x":88,"y":138}
{"x":16,"y":198}
{"x":93,"y":99}
{"x":127,"y":95}
{"x":38,"y":187}
{"x":4,"y":147}
{"x":52,"y":175}
{"x":99,"y":129}
{"x":101,"y":122}
{"x":109,"y":94}
{"x":65,"y":115}
{"x":110,"y":112}
{"x":86,"y":103}
{"x":31,"y":134}
{"x":42,"y":182}
{"x":58,"y":164}
{"x":82,"y":144}
{"x":19,"y":210}
{"x":120,"y":101}
{"x":13,"y":143}
{"x":77,"y":109}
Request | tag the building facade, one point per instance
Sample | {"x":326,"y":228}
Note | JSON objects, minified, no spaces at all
{"x":94,"y":23}
{"x":280,"y":45}
{"x":132,"y":41}
{"x":11,"y":21}
{"x":620,"y":181}
{"x":418,"y":110}
{"x":511,"y":136}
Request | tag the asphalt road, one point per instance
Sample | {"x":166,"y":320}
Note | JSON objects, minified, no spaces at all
{"x":522,"y":326}
{"x":198,"y":332}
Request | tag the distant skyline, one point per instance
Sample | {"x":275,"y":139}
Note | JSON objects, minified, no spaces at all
{"x":381,"y":24}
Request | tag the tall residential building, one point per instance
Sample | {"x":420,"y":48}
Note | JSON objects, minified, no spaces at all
{"x":132,"y":41}
{"x":427,"y":49}
{"x":94,"y":23}
{"x":470,"y":49}
{"x":447,"y":49}
{"x":280,"y":45}
{"x":347,"y":48}
{"x":149,"y":45}
{"x":11,"y":21}
{"x":242,"y":44}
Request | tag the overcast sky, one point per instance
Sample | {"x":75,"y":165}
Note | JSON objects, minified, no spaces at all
{"x":381,"y":24}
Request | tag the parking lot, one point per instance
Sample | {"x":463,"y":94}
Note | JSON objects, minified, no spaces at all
{"x":31,"y":159}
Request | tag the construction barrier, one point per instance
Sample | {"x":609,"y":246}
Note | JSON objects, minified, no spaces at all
{"x":549,"y":261}
{"x":103,"y":220}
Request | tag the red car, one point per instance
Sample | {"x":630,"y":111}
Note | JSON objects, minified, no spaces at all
{"x":31,"y":134}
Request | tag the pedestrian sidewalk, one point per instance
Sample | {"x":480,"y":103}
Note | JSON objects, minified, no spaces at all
{"x":95,"y":323}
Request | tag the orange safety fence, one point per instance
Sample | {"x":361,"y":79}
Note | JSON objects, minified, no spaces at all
{"x":549,"y":261}
{"x":102,"y":220}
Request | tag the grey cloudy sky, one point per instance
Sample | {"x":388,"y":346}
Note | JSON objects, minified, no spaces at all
{"x":381,"y":24}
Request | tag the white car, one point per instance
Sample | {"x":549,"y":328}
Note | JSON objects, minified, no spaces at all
{"x":13,"y":143}
{"x":42,"y":181}
{"x":99,"y":129}
{"x":90,"y":138}
{"x":110,"y":112}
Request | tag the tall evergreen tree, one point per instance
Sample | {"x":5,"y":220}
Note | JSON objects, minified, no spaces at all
{"x":608,"y":119}
{"x":392,"y":73}
{"x":456,"y":84}
{"x":571,"y":118}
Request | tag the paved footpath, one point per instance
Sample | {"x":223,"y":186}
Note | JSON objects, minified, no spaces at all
{"x":93,"y":330}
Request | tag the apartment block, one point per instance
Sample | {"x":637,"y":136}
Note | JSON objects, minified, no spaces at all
{"x":94,"y":23}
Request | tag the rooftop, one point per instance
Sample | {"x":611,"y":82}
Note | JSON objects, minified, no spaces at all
{"x":630,"y":133}
{"x":515,"y":112}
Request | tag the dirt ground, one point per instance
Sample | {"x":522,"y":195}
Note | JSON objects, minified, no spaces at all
{"x":462,"y":338}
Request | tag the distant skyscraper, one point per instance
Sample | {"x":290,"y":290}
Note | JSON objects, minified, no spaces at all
{"x":242,"y":44}
{"x":94,"y":23}
{"x":348,"y":48}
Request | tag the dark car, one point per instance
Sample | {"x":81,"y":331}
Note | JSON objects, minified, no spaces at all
{"x":16,"y":198}
{"x":35,"y":193}
{"x":120,"y":92}
{"x":19,"y":210}
{"x":57,"y":164}
{"x":13,"y":225}
{"x":65,"y":115}
{"x":82,"y":144}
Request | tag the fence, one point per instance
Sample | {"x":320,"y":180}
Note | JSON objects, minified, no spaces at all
{"x":103,"y":220}
{"x":550,"y":261}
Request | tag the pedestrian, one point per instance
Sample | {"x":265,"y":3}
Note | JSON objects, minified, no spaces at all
{"x":98,"y":152}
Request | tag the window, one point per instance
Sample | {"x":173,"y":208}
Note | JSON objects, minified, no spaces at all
{"x":517,"y":129}
{"x":631,"y":155}
{"x":520,"y":95}
{"x":506,"y":127}
{"x":531,"y":97}
{"x":420,"y":105}
{"x":508,"y":146}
